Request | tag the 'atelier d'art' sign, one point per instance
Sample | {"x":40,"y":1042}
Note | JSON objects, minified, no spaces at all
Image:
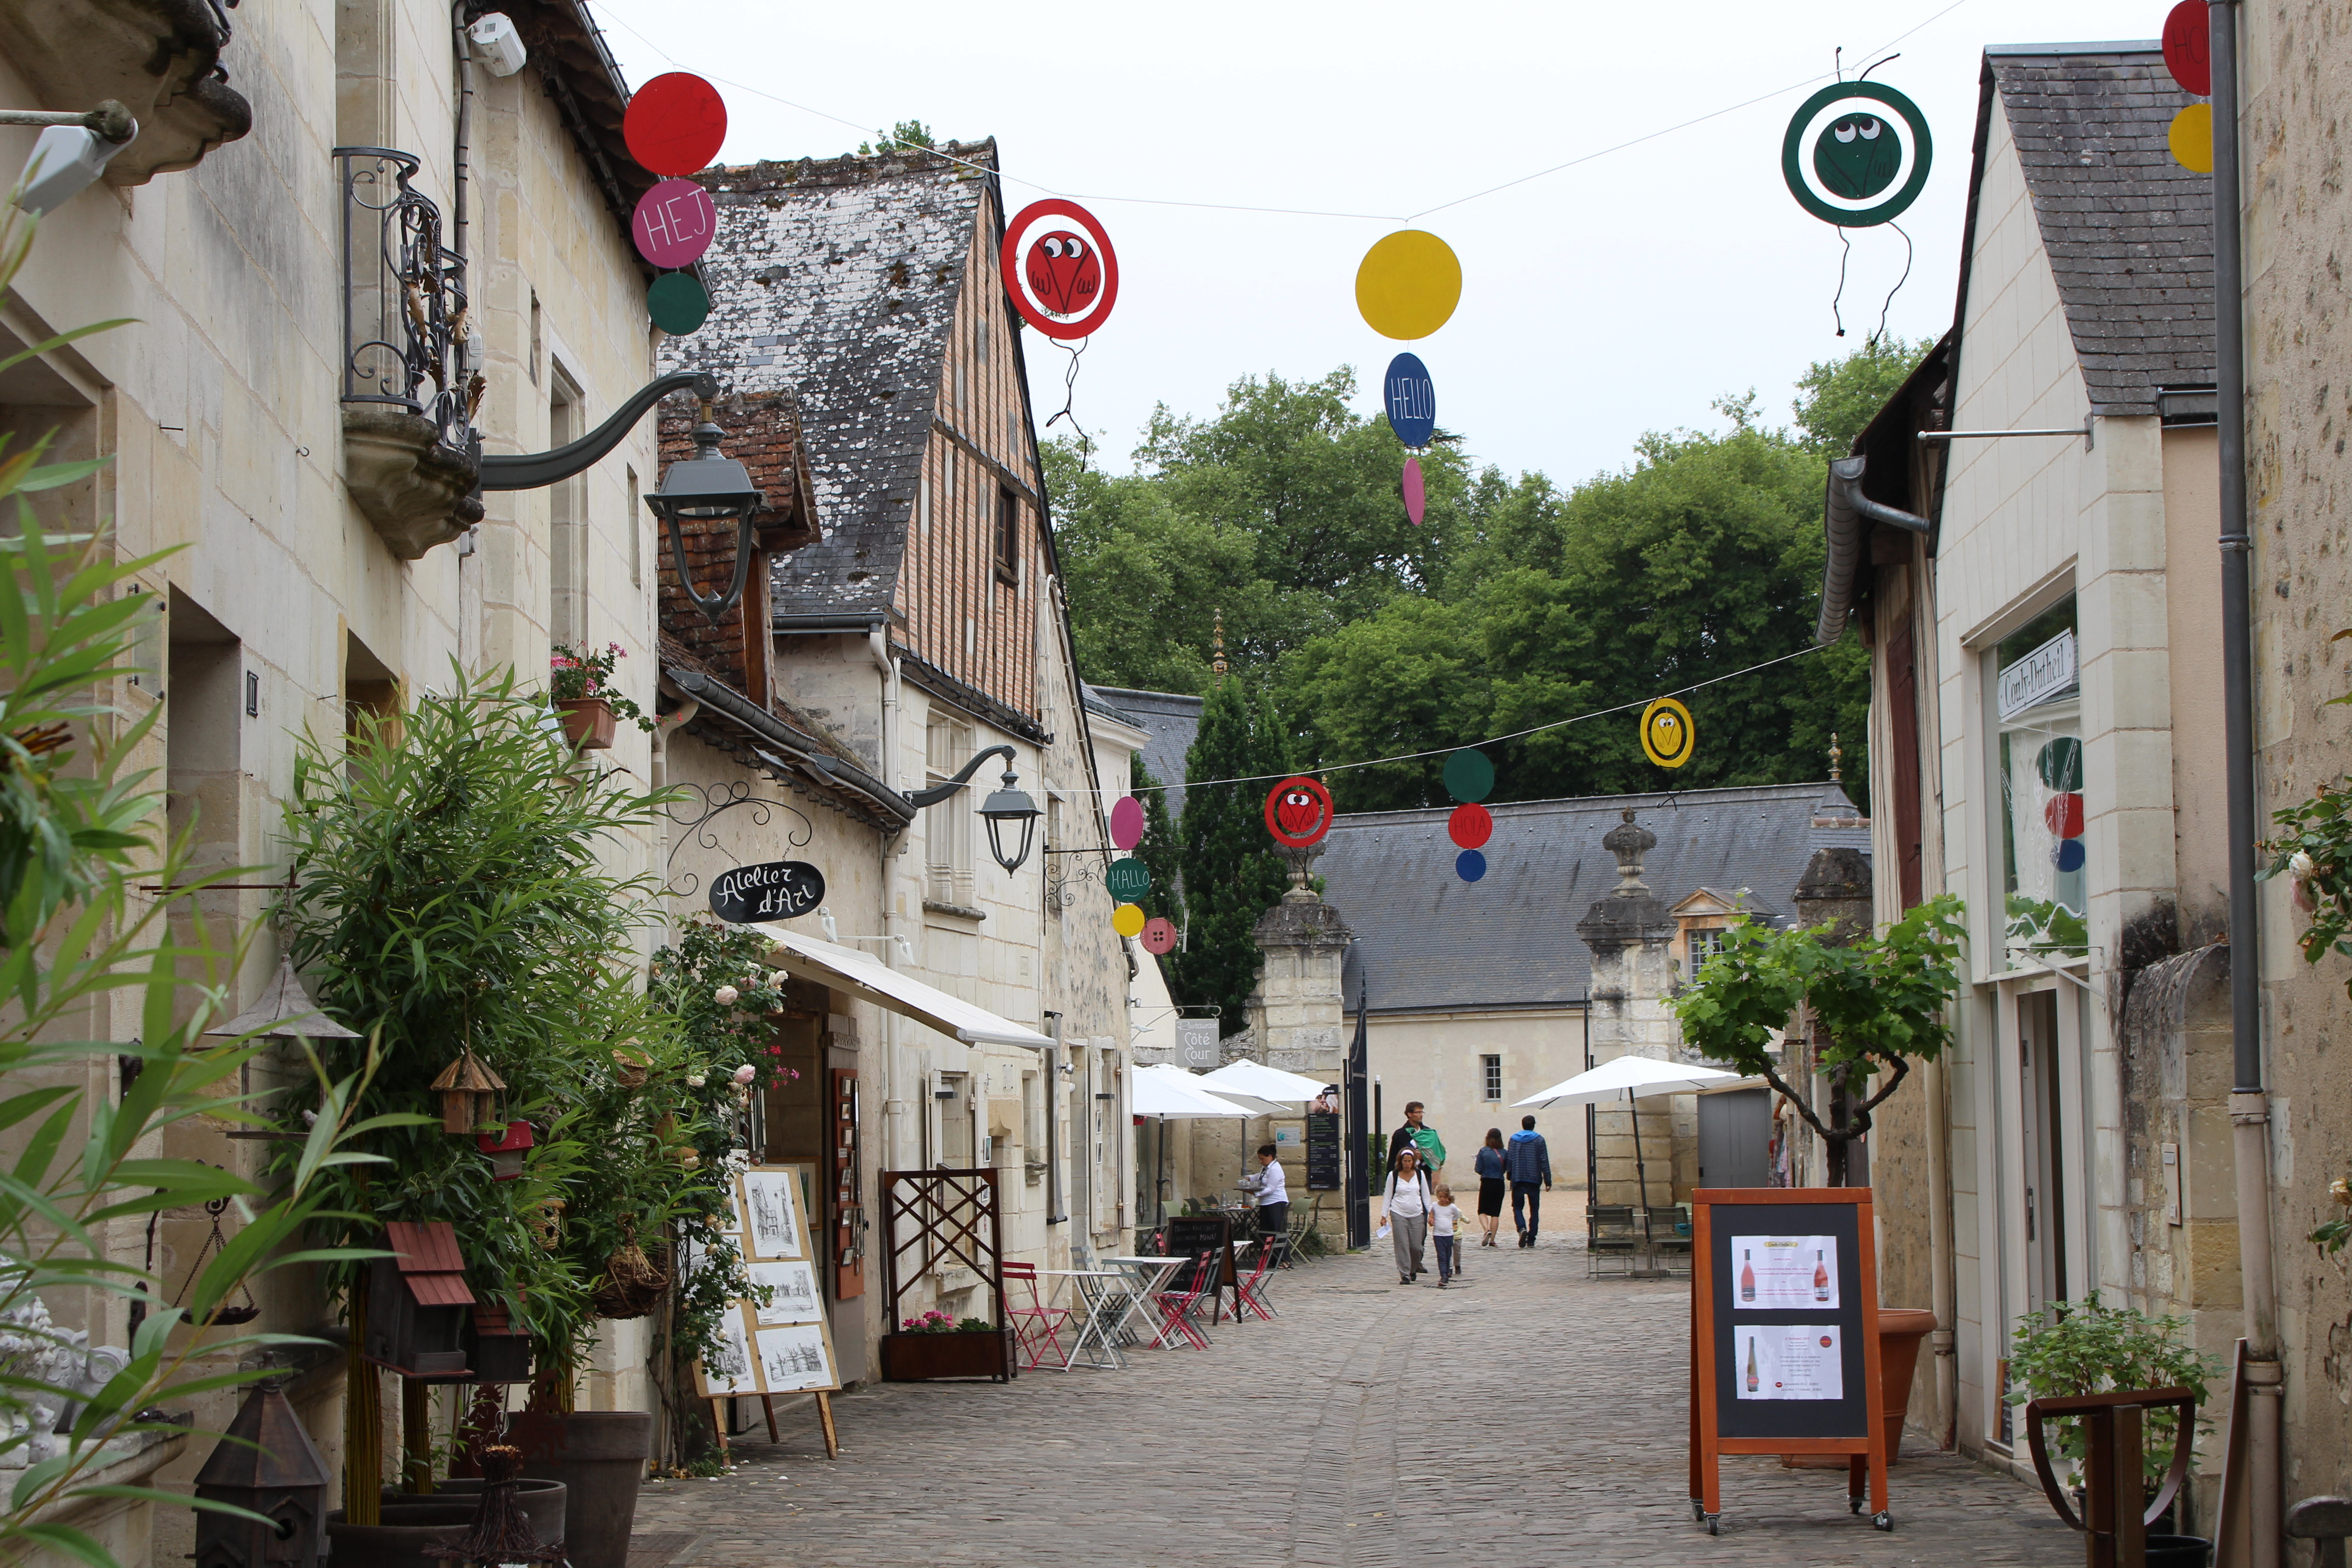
{"x":772,"y":890}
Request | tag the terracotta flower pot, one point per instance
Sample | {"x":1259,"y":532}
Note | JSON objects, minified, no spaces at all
{"x":1900,"y":1330}
{"x":926,"y":1358}
{"x":588,"y":723}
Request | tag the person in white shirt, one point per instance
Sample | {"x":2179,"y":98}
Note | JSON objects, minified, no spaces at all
{"x":1405,"y":1202}
{"x":1273,"y":1195}
{"x":1443,"y":1217}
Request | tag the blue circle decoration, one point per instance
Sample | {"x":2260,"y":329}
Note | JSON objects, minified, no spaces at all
{"x":2070,"y":855}
{"x":1410,"y":399}
{"x":1469,"y":865}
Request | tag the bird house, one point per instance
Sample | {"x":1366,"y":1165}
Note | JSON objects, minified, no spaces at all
{"x":500,"y":1348}
{"x":418,"y":1303}
{"x":266,"y":1463}
{"x":468,"y":1092}
{"x":506,"y":1150}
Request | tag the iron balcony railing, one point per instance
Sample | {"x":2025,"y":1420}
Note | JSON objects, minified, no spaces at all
{"x":405,"y":321}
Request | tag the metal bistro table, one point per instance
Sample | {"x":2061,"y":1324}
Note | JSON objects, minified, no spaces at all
{"x":1144,"y":1278}
{"x":1096,"y":1331}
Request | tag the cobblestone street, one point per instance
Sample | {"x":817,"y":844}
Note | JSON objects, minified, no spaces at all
{"x":1530,"y":1416}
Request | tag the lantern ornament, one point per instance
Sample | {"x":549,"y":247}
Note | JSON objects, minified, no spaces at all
{"x":712,"y":491}
{"x":506,"y":1150}
{"x":1009,"y":809}
{"x":266,"y":1463}
{"x":468,"y":1089}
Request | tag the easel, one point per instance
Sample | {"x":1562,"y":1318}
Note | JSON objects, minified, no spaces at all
{"x":768,"y":1407}
{"x":1856,"y":1315}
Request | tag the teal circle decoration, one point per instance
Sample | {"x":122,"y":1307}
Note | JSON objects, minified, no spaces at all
{"x":677,"y":303}
{"x":1856,"y":154}
{"x":1469,"y":776}
{"x":2060,"y":764}
{"x":1128,"y":880}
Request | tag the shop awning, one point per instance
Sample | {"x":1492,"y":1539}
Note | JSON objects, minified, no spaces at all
{"x":847,"y":969}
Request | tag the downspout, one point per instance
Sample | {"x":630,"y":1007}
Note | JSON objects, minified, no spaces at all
{"x":894,"y":1104}
{"x":2248,"y":1103}
{"x":465,"y":126}
{"x":1054,"y":1212}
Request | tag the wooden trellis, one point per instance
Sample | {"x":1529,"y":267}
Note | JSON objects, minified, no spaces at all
{"x":941,"y":1214}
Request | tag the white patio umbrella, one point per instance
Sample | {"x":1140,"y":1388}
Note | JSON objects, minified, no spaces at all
{"x":1171,"y":1094}
{"x":1627,"y":1076}
{"x":1262,"y":1081}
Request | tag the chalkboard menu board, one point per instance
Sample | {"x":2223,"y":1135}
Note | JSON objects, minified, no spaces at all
{"x":1323,"y":1152}
{"x":1784,"y":1335}
{"x":1189,"y":1235}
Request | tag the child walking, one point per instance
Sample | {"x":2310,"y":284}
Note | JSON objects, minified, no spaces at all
{"x":1443,"y":1217}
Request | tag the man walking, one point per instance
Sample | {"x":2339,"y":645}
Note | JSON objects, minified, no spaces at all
{"x":1529,"y":1160}
{"x":1418,"y":1136}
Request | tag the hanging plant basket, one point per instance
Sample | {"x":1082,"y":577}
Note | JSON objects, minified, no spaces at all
{"x":634,"y":1278}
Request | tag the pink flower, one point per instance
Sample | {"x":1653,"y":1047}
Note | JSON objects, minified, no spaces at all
{"x":746,"y":1073}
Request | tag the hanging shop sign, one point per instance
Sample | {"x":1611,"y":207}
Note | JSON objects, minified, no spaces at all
{"x":1128,"y":880}
{"x":674,"y":224}
{"x":772,"y":890}
{"x":1298,"y":812}
{"x":1125,"y":822}
{"x":675,"y":123}
{"x":1856,"y":154}
{"x":1666,"y":732}
{"x":1196,"y":1043}
{"x":1407,"y":284}
{"x":1410,"y":399}
{"x":2049,"y":671}
{"x":1059,"y":269}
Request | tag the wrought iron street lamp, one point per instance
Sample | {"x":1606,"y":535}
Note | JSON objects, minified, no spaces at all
{"x":708,"y":488}
{"x":1006,"y":808}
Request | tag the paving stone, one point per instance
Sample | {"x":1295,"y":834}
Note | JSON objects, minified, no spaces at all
{"x":1530,"y":1416}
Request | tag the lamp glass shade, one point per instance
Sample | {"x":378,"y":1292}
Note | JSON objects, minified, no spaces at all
{"x":705,"y":487}
{"x":1005,"y":809}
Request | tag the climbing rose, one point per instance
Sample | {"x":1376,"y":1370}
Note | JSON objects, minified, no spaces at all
{"x":725,"y":995}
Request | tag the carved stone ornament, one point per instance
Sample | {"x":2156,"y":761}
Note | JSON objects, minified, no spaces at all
{"x":62,"y":1361}
{"x":159,"y":58}
{"x":417,"y":492}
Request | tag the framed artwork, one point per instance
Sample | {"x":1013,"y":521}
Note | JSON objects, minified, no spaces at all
{"x":785,"y":1344}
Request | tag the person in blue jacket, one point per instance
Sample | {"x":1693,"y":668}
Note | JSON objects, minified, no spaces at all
{"x":1493,"y":1171}
{"x":1530,"y":1161}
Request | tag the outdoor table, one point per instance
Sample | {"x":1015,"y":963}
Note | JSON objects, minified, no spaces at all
{"x":1096,"y":1327}
{"x":1146,"y":1278}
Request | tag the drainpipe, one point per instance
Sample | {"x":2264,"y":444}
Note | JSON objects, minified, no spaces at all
{"x":877,"y":647}
{"x":1943,"y":1294}
{"x":2249,"y":1101}
{"x":465,"y":125}
{"x":1053,"y":1107}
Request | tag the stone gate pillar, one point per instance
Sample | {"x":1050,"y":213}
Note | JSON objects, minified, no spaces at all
{"x":1631,"y":936}
{"x":1295,"y":1015}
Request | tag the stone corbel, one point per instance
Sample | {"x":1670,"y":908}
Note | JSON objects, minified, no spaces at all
{"x":161,"y":57}
{"x":415,"y":492}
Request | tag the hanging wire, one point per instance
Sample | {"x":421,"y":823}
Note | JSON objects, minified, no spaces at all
{"x":1835,"y":298}
{"x":1069,"y":398}
{"x":1908,"y":251}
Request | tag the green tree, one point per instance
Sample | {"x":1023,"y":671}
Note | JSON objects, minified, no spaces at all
{"x":1837,"y":398}
{"x":1232,"y":875}
{"x":906,"y":134}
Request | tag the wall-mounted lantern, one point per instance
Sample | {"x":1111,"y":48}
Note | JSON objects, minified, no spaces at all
{"x":712,"y":490}
{"x":1006,"y":810}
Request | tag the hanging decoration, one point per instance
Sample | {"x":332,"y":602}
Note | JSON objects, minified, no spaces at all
{"x":1470,"y":778}
{"x":2060,"y":765}
{"x":674,"y":224}
{"x":1666,"y":732}
{"x":677,"y":302}
{"x":1415,"y":493}
{"x":1470,"y":865}
{"x":1059,"y":269}
{"x":674,"y":126}
{"x":1127,"y":920}
{"x":466,"y":1089}
{"x":1298,"y":812}
{"x":1408,"y":285}
{"x":2189,"y":47}
{"x":2191,"y":138}
{"x":1410,"y":399}
{"x":1125,"y":822}
{"x":1855,"y":155}
{"x":1158,"y":934}
{"x":1128,"y":880}
{"x":506,"y":1150}
{"x":675,"y":123}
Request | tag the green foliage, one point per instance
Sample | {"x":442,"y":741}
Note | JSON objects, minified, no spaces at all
{"x":906,"y":134}
{"x":1232,"y":875}
{"x":2313,"y":846}
{"x":451,"y":893}
{"x":2088,"y":1347}
{"x":573,"y":674}
{"x":1837,"y":398}
{"x":1879,"y":1002}
{"x":2044,"y":925}
{"x":2333,"y":1234}
{"x":1161,"y":851}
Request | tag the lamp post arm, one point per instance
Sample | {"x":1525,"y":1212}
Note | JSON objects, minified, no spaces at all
{"x":536,"y":470}
{"x":939,"y":792}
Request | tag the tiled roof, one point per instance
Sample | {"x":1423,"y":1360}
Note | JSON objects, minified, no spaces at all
{"x":837,"y":280}
{"x":1171,"y":719}
{"x":2128,"y":231}
{"x":1427,"y":940}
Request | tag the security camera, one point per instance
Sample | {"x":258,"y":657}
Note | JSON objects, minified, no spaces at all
{"x":500,"y":44}
{"x":65,"y":160}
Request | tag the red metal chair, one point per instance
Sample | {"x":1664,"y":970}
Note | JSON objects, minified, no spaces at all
{"x":1036,"y":1328}
{"x":1177,"y":1305}
{"x":1249,"y":1290}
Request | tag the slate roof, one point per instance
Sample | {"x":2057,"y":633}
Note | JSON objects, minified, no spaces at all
{"x":2128,"y":231}
{"x":837,"y":280}
{"x":1428,"y":940}
{"x":1171,"y":719}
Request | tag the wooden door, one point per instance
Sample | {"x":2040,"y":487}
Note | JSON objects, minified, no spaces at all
{"x":848,"y":1203}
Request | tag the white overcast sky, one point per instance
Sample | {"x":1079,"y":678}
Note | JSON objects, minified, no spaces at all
{"x":1620,"y":295}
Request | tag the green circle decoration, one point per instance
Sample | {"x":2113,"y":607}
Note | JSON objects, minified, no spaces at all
{"x":1469,"y":776}
{"x":1128,"y":880}
{"x":2060,"y":763}
{"x":677,"y":303}
{"x":1856,"y":154}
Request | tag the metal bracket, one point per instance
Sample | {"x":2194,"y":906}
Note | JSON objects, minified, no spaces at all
{"x":939,"y":792}
{"x":2086,"y":430}
{"x":537,"y":470}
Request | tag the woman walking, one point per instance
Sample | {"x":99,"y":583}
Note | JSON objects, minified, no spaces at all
{"x":1493,"y":1173}
{"x":1405,"y":1202}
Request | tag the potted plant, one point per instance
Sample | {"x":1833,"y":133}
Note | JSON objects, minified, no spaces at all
{"x":582,"y":689}
{"x":936,"y":1346}
{"x":2089,"y":1347}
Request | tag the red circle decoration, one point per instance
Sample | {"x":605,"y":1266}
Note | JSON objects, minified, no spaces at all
{"x":675,"y":123}
{"x":2063,"y":813}
{"x":1470,"y":826}
{"x":1298,"y":812}
{"x":1059,"y":269}
{"x":2189,"y":47}
{"x":1158,"y":934}
{"x":674,"y":224}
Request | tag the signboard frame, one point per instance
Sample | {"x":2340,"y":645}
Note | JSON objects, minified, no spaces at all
{"x":1326,"y":1162}
{"x":790,"y":1242}
{"x":1784,"y":1426}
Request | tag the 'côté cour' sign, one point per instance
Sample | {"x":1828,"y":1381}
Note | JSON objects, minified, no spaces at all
{"x":772,"y":890}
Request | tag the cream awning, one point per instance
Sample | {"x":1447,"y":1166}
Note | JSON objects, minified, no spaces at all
{"x":847,"y":969}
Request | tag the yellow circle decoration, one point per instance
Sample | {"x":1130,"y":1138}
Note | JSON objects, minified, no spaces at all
{"x":2191,"y":138}
{"x":1127,"y":920}
{"x":1407,"y":284}
{"x":1666,"y":732}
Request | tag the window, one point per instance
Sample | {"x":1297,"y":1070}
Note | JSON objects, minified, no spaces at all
{"x":534,"y":337}
{"x":1492,"y":1068}
{"x":1704,"y":944}
{"x":1032,"y":1125}
{"x":2035,"y":694}
{"x":1008,"y":535}
{"x":567,"y":514}
{"x":947,"y":828}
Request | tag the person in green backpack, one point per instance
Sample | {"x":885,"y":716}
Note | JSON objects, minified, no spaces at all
{"x":1420,"y":1136}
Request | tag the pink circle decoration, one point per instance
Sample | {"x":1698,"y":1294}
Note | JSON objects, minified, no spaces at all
{"x":675,"y":123}
{"x":1125,"y":822}
{"x":1416,"y":500}
{"x":674,"y":224}
{"x":1158,"y":934}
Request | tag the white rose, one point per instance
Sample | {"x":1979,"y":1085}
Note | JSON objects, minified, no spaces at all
{"x":776,"y":979}
{"x":746,"y":1073}
{"x":2301,"y":864}
{"x":694,"y":1081}
{"x":725,"y":995}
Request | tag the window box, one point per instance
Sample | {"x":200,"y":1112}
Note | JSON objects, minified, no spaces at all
{"x":588,"y":723}
{"x":929,"y":1358}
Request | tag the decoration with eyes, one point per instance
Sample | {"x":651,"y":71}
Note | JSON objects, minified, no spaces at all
{"x":1298,"y":812}
{"x":1856,"y":154}
{"x":1059,"y":269}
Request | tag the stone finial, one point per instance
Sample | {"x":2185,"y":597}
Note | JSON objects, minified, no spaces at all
{"x":1836,"y":757}
{"x":1217,"y":647}
{"x":1629,"y":841}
